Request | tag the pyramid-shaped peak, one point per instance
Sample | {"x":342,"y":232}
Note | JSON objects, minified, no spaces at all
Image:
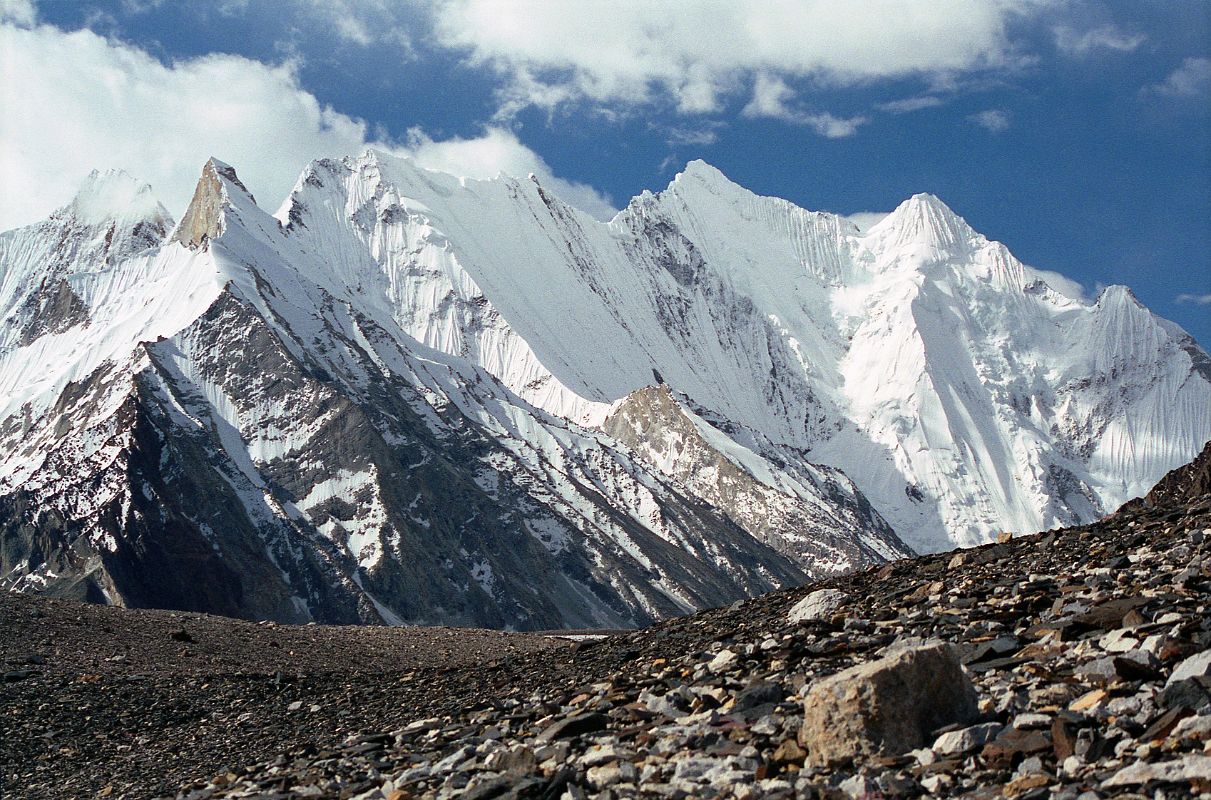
{"x":225,"y":172}
{"x":1118,"y":293}
{"x":115,"y":195}
{"x":203,"y":219}
{"x":700,"y":170}
{"x":926,"y":204}
{"x":924,"y":219}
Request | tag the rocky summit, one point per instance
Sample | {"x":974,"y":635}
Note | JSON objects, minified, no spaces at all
{"x":1070,"y":664}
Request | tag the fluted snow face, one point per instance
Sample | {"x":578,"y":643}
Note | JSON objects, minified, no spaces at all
{"x":960,"y":392}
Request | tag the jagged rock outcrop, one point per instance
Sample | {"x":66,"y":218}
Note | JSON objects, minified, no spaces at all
{"x":812,"y":514}
{"x":203,"y":219}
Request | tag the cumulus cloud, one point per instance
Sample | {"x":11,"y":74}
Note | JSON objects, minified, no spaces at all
{"x":1196,"y":299}
{"x":18,"y":12}
{"x":772,"y":98}
{"x":76,"y":101}
{"x":993,"y":120}
{"x":1191,"y":80}
{"x":1072,"y":42}
{"x":695,"y":54}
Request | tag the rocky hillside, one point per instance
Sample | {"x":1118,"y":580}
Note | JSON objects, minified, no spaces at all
{"x":1185,"y":486}
{"x":1071,"y":664}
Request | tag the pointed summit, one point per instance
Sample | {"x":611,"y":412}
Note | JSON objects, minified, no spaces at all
{"x":203,"y":219}
{"x":924,"y":219}
{"x":700,"y":173}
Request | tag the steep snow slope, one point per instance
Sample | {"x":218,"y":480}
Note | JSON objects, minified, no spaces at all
{"x":959,"y":391}
{"x":237,"y":421}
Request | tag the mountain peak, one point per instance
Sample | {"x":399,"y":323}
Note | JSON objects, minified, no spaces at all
{"x":115,"y":194}
{"x":924,"y":219}
{"x":1118,"y":295}
{"x":203,"y":219}
{"x":701,"y":172}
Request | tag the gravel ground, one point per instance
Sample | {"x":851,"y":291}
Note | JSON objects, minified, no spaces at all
{"x":97,"y":697}
{"x":1074,"y":641}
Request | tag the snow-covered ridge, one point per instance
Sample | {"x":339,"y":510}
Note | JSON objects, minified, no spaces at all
{"x":959,"y":389}
{"x":410,"y":385}
{"x":269,"y":431}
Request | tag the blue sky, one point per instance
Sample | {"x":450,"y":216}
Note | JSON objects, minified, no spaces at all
{"x":1077,"y":133}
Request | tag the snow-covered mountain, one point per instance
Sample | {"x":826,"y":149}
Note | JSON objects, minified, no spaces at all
{"x":413,"y":397}
{"x":230,"y":417}
{"x":961,"y":392}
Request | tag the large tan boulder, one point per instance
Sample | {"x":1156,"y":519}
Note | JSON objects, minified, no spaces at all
{"x":888,"y":706}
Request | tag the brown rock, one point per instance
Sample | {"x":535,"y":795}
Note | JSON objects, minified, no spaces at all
{"x":1014,"y":745}
{"x":888,"y":706}
{"x":1089,"y":700}
{"x":789,"y":752}
{"x":1024,"y":783}
{"x":1063,"y":738}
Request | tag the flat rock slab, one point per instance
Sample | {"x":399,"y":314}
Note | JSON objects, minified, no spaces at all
{"x":1190,"y":768}
{"x":888,"y":706}
{"x":1196,"y":666}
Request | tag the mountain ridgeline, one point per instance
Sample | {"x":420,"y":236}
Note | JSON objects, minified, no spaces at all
{"x":413,"y":398}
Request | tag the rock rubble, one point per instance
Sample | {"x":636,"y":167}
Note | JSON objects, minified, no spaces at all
{"x":1086,"y":650}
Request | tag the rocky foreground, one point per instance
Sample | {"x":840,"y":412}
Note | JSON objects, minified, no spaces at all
{"x":1073,"y":664}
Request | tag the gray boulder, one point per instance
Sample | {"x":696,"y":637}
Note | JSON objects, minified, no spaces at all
{"x":820,"y":604}
{"x":888,"y":706}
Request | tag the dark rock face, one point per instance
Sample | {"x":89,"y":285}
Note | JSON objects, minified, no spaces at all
{"x":280,"y":451}
{"x":180,"y":530}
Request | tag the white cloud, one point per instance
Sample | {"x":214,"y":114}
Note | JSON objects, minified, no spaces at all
{"x":771,"y":98}
{"x":499,"y":150}
{"x":865,"y":220}
{"x":696,"y":137}
{"x":18,"y":12}
{"x":1196,"y":299}
{"x":361,"y":22}
{"x":1106,"y":37}
{"x":75,"y":101}
{"x":1191,"y":79}
{"x":994,"y":120}
{"x":693,"y":54}
{"x":910,"y":104}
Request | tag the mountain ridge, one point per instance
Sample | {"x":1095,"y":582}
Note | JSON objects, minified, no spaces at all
{"x":255,"y":393}
{"x":900,"y":383}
